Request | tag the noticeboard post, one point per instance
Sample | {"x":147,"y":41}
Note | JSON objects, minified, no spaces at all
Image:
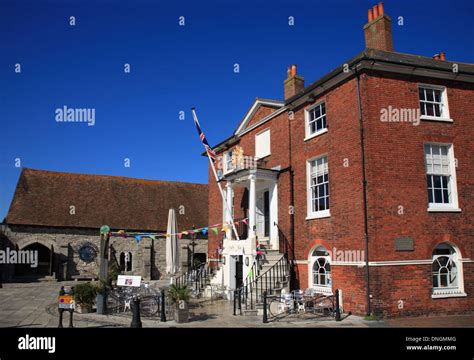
{"x":65,"y":303}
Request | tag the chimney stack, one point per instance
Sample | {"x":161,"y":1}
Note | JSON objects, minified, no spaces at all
{"x":378,"y":30}
{"x":294,"y":84}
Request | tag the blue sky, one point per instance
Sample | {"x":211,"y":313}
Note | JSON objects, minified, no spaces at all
{"x":172,"y":69}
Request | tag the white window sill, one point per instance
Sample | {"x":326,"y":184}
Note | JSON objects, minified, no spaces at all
{"x":319,"y":215}
{"x":326,"y":290}
{"x":320,"y":132}
{"x":435,"y":118}
{"x":443,"y":209}
{"x":441,"y":294}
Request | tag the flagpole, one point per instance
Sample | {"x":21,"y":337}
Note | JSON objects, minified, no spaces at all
{"x":229,"y":213}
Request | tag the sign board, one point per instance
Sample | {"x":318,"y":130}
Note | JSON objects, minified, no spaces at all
{"x":129,"y":280}
{"x":66,"y":302}
{"x":404,"y":243}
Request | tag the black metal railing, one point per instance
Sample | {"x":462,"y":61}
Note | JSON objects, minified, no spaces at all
{"x":255,"y":285}
{"x":196,"y":278}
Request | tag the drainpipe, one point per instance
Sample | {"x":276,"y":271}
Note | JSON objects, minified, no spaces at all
{"x":364,"y":192}
{"x":292,"y":216}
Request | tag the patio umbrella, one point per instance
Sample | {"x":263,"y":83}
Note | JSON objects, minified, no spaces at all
{"x":172,"y":245}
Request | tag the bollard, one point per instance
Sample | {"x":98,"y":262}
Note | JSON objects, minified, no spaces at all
{"x":240,"y":301}
{"x":70,"y":318}
{"x":338,"y":311}
{"x":235,"y":300}
{"x":265,"y":317}
{"x":163,"y":310}
{"x":136,"y":321}
{"x":60,"y":318}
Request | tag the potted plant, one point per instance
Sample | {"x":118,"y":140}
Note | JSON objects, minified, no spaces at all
{"x":84,"y":296}
{"x":180,"y":296}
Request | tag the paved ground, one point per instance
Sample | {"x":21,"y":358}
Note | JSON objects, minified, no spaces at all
{"x":34,"y":305}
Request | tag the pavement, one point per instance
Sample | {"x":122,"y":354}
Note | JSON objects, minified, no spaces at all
{"x":35,"y":305}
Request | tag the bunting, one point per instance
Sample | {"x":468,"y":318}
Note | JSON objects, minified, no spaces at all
{"x":154,"y":236}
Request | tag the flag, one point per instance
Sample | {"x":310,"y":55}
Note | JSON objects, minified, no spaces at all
{"x":210,"y":152}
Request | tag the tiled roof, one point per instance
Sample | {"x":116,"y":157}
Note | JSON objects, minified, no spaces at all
{"x":46,"y":198}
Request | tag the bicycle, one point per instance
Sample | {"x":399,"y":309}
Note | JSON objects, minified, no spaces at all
{"x":120,"y":299}
{"x":299,"y":303}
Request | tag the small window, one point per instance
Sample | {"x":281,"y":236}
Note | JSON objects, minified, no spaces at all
{"x":446,"y":271}
{"x":440,"y":176}
{"x":316,"y":120}
{"x":228,"y":161}
{"x":433,"y":102}
{"x":262,"y":144}
{"x":318,"y":187}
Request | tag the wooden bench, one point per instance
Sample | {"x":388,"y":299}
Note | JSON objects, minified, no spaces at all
{"x":84,"y":277}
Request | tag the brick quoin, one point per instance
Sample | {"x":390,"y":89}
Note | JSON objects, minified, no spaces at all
{"x":395,"y":175}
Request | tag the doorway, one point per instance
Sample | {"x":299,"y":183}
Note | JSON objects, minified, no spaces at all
{"x":239,"y":269}
{"x":45,"y":262}
{"x":263,"y":214}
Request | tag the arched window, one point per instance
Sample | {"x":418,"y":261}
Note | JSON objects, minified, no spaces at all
{"x":320,"y":270}
{"x":129,"y":261}
{"x":447,"y":271}
{"x":122,"y":262}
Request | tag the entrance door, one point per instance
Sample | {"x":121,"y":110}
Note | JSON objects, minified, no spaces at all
{"x":239,"y":276}
{"x":263,"y":214}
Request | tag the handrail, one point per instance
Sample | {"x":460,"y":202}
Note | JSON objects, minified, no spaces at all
{"x":197,"y":276}
{"x":255,"y":286}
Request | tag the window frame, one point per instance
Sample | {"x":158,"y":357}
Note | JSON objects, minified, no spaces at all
{"x":307,"y":112}
{"x":453,"y":206}
{"x":313,"y":259}
{"x":227,"y":159}
{"x":269,"y":143}
{"x":447,"y":291}
{"x":445,"y":117}
{"x":309,"y":197}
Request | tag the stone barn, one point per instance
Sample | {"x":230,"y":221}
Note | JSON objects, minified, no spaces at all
{"x":59,"y":215}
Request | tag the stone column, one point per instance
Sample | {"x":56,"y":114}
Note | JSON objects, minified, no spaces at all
{"x":252,"y":211}
{"x":228,"y":210}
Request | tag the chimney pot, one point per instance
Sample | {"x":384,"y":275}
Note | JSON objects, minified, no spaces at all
{"x":381,"y":9}
{"x":436,"y":56}
{"x":293,"y":70}
{"x":375,"y":10}
{"x":294,"y":84}
{"x":370,"y":15}
{"x":441,"y":55}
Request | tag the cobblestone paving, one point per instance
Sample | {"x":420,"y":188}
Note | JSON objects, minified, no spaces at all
{"x":34,"y":305}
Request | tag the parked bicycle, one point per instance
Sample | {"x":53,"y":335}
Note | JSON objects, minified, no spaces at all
{"x":120,"y":299}
{"x":299,"y":303}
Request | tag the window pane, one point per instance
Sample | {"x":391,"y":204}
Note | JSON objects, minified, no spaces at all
{"x":429,"y":109}
{"x":437,"y":109}
{"x":429,"y":95}
{"x":437,"y":94}
{"x":438,"y":196}
{"x":435,"y":280}
{"x":421,"y":93}
{"x":430,"y":195}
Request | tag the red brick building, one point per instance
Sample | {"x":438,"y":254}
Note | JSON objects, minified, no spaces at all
{"x":364,"y":179}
